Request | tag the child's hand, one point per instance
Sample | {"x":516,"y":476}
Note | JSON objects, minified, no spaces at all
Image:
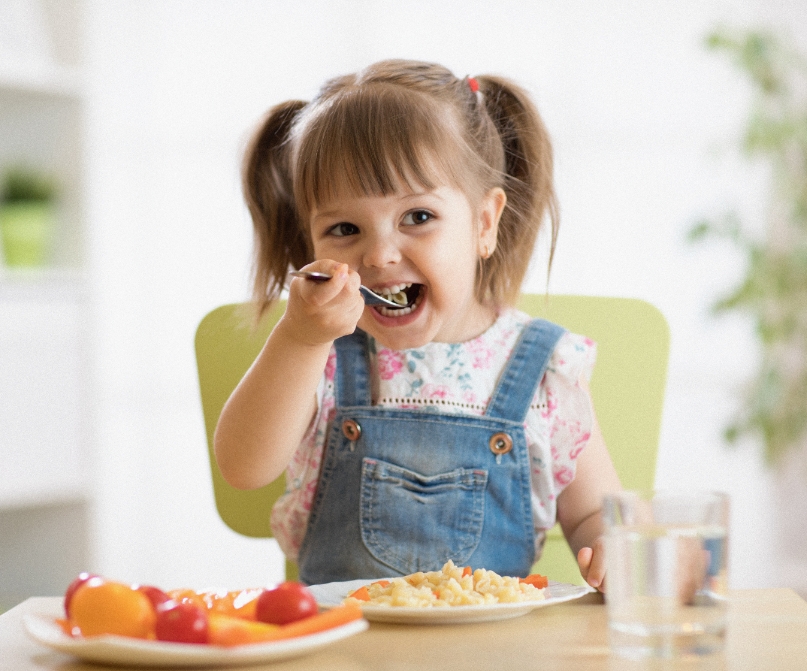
{"x":592,"y":564}
{"x":320,"y":312}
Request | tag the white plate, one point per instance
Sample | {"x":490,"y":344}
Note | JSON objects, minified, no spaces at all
{"x":331,"y":594}
{"x":136,"y":652}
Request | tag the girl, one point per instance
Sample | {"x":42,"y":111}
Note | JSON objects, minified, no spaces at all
{"x":454,"y":427}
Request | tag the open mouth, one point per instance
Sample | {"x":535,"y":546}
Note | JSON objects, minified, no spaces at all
{"x":408,"y":296}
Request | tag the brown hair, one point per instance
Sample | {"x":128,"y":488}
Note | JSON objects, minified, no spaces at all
{"x":400,"y":122}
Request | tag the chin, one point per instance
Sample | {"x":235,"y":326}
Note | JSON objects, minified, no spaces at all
{"x":400,"y":343}
{"x":395,"y":336}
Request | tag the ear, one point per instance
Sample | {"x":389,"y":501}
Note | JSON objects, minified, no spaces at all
{"x":490,"y":212}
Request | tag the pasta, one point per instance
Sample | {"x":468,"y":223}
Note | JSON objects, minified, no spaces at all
{"x":452,"y":586}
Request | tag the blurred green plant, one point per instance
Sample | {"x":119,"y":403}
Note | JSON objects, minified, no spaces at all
{"x":22,"y":185}
{"x":773,"y":289}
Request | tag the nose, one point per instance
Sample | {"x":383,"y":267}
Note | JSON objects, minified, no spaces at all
{"x":381,"y":251}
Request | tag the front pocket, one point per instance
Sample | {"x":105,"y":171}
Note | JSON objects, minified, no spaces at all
{"x":413,"y":522}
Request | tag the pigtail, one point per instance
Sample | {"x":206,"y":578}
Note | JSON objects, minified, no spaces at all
{"x":528,"y":183}
{"x":279,"y":240}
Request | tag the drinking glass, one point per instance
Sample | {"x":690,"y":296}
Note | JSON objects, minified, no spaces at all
{"x":666,"y":572}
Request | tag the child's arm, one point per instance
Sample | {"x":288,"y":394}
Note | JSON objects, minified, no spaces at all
{"x":267,"y":415}
{"x":580,"y":507}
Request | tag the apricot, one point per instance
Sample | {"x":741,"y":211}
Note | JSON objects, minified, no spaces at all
{"x":102,"y":607}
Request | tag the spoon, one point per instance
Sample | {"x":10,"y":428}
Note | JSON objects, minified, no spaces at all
{"x":370,"y":297}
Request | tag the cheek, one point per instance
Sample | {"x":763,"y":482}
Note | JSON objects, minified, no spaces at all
{"x":322,"y":250}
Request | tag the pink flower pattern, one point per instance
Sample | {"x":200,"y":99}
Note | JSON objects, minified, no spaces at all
{"x":390,"y":363}
{"x":463,"y":377}
{"x":563,"y":475}
{"x":481,"y":353}
{"x":434,"y":391}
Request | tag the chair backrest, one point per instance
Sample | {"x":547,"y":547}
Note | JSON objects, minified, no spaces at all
{"x":627,"y":387}
{"x":227,"y":342}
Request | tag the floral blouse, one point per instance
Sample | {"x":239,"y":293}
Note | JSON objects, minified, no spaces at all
{"x":459,"y":378}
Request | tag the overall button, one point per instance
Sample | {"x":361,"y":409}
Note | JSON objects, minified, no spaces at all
{"x":351,"y":429}
{"x":500,"y":443}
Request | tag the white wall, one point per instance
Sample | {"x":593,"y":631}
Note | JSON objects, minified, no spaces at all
{"x":643,"y":120}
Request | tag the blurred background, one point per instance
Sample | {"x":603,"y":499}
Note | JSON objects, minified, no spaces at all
{"x":138,"y":111}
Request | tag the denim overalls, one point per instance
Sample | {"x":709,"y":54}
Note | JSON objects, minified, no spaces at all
{"x":406,"y":490}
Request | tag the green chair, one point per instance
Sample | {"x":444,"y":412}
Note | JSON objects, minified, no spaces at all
{"x":628,"y":390}
{"x":627,"y":387}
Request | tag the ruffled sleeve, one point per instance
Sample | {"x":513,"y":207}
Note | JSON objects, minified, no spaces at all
{"x":559,"y":424}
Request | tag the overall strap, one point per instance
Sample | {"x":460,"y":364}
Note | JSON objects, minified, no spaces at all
{"x":352,"y":383}
{"x":524,"y":370}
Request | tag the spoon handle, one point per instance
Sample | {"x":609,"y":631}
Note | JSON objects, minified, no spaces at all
{"x":370,"y":297}
{"x":314,"y":277}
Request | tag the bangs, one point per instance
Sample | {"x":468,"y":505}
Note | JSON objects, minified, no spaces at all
{"x":375,"y":141}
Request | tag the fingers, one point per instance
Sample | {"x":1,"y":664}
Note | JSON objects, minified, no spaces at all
{"x":584,"y":561}
{"x":321,"y":293}
{"x":592,"y":564}
{"x":321,"y":311}
{"x":693,"y":563}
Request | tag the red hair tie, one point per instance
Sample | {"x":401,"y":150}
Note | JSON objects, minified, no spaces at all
{"x":473,"y":84}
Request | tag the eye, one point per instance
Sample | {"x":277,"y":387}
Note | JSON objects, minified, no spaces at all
{"x":417,"y":217}
{"x":342,"y":229}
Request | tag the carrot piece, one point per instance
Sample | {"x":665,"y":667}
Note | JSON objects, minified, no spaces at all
{"x":362,"y":594}
{"x":230,"y":630}
{"x":466,"y":571}
{"x":382,"y":583}
{"x":536,"y":580}
{"x":327,"y":619}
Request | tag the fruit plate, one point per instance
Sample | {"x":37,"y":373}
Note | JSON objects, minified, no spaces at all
{"x":331,"y":594}
{"x":42,"y":627}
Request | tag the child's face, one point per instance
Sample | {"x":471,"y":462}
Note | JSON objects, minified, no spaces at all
{"x":424,"y":242}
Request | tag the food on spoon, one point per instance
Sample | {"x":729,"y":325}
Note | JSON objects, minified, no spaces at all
{"x":406,"y":296}
{"x":95,"y":606}
{"x":451,"y":586}
{"x":397,"y":293}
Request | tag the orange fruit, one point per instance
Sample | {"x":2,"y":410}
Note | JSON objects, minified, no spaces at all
{"x":104,"y":607}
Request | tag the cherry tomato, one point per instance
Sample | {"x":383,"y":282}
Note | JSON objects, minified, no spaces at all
{"x":155,"y":595}
{"x":288,"y":602}
{"x":181,"y":622}
{"x":72,"y":587}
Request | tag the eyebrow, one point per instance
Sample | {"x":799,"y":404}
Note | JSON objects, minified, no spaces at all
{"x":408,"y":196}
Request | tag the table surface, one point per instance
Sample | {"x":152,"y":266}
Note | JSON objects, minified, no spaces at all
{"x":767,"y":630}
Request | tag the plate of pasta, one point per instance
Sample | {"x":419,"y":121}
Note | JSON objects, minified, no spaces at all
{"x":451,"y":596}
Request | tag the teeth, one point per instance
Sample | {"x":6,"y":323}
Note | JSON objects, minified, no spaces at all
{"x":399,"y":312}
{"x":395,"y":293}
